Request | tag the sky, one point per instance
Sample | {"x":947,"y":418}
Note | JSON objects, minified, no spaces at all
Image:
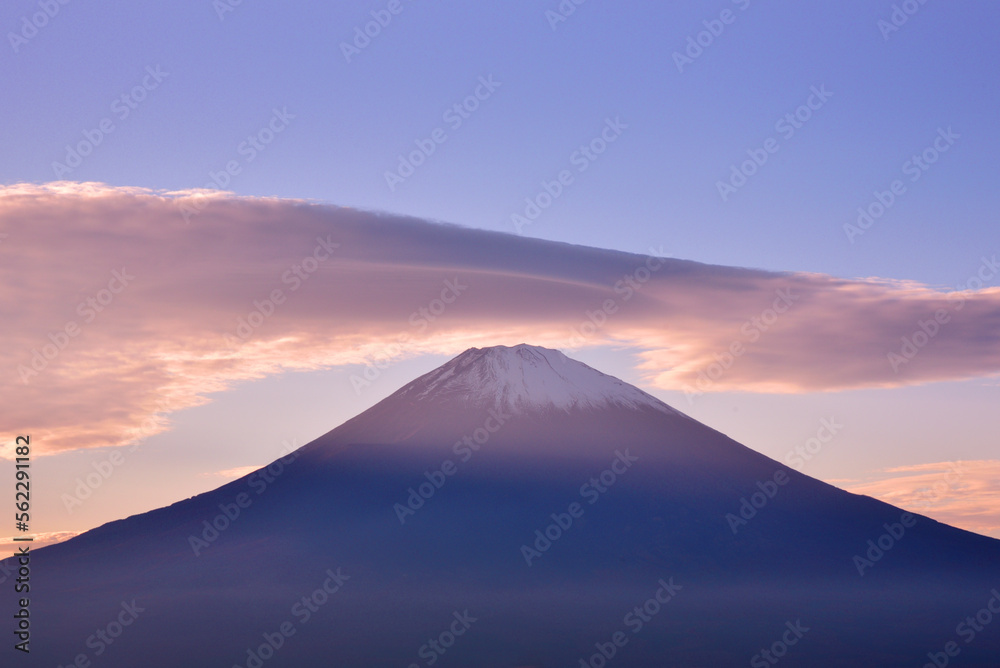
{"x":609,"y":127}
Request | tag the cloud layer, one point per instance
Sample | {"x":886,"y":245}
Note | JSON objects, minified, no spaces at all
{"x":963,"y":494}
{"x":121,"y":305}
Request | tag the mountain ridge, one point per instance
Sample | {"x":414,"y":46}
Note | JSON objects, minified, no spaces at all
{"x":219,"y":570}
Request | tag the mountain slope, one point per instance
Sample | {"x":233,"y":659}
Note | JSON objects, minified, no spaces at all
{"x":548,"y":503}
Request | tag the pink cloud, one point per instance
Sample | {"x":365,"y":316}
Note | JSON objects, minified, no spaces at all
{"x":143,"y":313}
{"x":964,"y":493}
{"x":233,"y":473}
{"x":8,"y":545}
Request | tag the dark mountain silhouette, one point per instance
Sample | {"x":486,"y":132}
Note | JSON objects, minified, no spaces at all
{"x":517,"y":508}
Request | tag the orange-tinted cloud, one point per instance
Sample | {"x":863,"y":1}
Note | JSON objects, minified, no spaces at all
{"x":233,"y":474}
{"x":964,"y":494}
{"x":8,"y":545}
{"x":118,"y":309}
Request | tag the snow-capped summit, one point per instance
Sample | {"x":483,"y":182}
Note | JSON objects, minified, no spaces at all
{"x":528,"y":378}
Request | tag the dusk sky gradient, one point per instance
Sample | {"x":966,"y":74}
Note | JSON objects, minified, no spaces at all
{"x":339,"y":124}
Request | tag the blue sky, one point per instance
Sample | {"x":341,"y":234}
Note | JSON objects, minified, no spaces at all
{"x":656,"y":185}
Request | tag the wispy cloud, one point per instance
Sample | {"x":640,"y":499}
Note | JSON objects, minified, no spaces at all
{"x":117,"y":311}
{"x":9,"y":545}
{"x":962,"y":493}
{"x":233,"y":473}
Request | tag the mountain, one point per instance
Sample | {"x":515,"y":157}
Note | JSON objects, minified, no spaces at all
{"x":515,"y":507}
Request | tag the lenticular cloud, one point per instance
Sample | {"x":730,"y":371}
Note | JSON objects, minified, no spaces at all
{"x":122,"y":305}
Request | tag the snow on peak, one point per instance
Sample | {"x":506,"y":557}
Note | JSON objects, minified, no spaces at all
{"x":527,"y":377}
